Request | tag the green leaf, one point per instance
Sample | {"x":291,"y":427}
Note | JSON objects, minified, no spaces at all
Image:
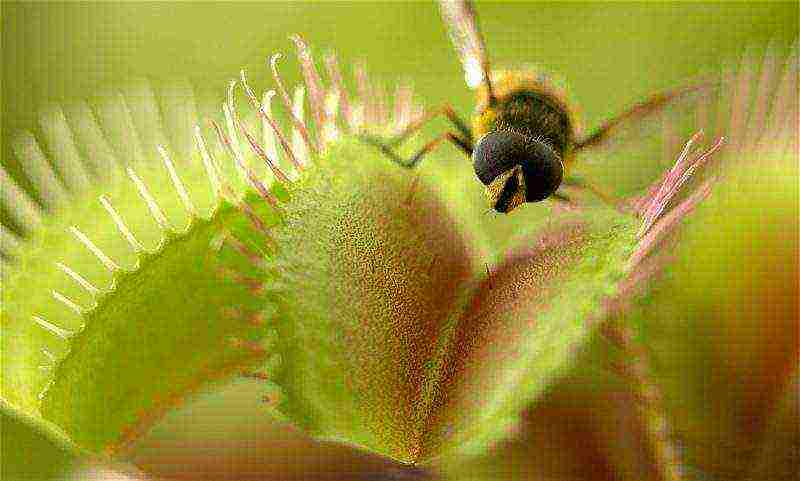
{"x":33,"y":448}
{"x":225,"y":432}
{"x":371,"y":267}
{"x":30,"y":282}
{"x":147,"y":320}
{"x":164,"y":331}
{"x":522,"y":327}
{"x":583,"y":427}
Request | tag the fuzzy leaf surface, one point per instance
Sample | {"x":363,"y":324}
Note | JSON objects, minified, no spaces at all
{"x":372,"y":267}
{"x":522,"y":327}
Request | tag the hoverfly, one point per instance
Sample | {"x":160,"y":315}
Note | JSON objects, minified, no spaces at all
{"x":523,"y":139}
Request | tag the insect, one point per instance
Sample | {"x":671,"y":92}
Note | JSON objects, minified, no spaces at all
{"x":522,"y":140}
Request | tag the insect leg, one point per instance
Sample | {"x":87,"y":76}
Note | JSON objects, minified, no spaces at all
{"x":638,"y":112}
{"x":412,"y":161}
{"x":446,"y":110}
{"x":609,"y":199}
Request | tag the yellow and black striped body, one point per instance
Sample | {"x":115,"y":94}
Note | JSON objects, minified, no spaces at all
{"x":524,"y":139}
{"x":529,"y":104}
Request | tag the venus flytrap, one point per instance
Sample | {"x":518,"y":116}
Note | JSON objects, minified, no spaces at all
{"x":384,"y":356}
{"x":105,"y":279}
{"x":73,"y":422}
{"x":88,"y":266}
{"x":350,"y":288}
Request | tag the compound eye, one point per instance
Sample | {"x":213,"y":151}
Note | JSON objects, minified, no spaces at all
{"x":496,"y":153}
{"x":543,"y":172}
{"x":500,"y":151}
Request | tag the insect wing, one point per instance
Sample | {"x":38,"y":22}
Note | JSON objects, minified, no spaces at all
{"x":748,"y":106}
{"x":462,"y":26}
{"x":735,"y":105}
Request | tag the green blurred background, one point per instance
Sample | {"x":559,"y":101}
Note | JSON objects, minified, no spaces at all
{"x":610,"y":53}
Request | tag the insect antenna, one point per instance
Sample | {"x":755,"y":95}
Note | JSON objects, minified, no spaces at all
{"x":462,"y":26}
